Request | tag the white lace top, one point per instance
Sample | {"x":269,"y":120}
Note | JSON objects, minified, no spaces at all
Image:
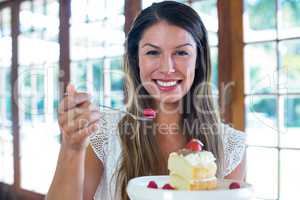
{"x":106,"y":146}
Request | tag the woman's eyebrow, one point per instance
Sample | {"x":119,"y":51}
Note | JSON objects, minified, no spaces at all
{"x":151,"y":45}
{"x":182,"y":45}
{"x":157,"y":47}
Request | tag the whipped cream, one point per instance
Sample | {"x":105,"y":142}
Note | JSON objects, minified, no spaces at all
{"x":203,"y":158}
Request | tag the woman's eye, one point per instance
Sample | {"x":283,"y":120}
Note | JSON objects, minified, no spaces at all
{"x":152,"y":53}
{"x":181,"y":53}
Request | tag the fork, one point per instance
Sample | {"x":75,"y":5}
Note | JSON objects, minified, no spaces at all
{"x":126,"y":112}
{"x":122,"y":111}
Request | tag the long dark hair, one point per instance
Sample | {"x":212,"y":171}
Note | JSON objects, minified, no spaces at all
{"x":140,"y":152}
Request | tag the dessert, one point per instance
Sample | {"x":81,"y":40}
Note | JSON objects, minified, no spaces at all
{"x":192,"y":168}
{"x":149,"y":113}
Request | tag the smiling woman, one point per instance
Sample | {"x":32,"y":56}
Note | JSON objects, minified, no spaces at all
{"x":168,"y":64}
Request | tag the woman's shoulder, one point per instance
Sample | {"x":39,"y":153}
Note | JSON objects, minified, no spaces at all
{"x":232,"y":135}
{"x":234,"y":147}
{"x":110,"y":117}
{"x":106,"y":131}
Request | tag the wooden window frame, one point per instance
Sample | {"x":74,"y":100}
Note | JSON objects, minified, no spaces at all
{"x":230,"y":66}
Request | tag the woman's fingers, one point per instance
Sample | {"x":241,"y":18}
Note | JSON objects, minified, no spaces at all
{"x":78,"y":118}
{"x":81,"y":134}
{"x":71,"y":101}
{"x":81,"y":121}
{"x":70,"y":115}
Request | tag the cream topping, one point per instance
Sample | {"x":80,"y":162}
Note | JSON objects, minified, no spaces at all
{"x":202,"y":158}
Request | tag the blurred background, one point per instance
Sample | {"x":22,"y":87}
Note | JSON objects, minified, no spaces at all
{"x":44,"y":44}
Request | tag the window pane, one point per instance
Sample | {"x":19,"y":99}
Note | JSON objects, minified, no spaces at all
{"x":97,"y":47}
{"x":261,"y":120}
{"x":263,"y":175}
{"x":289,"y":175}
{"x":290,"y":129}
{"x":147,"y":3}
{"x":6,"y":138}
{"x":289,"y":18}
{"x":289,"y":66}
{"x":259,"y":20}
{"x":214,"y":66}
{"x":207,"y":9}
{"x":38,"y":87}
{"x":260,"y":74}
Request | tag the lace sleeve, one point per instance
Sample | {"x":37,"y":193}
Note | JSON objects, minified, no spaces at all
{"x":234,"y":148}
{"x":99,"y":139}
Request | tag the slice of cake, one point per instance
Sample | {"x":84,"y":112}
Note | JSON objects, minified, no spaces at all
{"x":192,"y":169}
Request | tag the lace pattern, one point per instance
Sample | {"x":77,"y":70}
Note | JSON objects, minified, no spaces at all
{"x":234,"y":148}
{"x":106,"y":146}
{"x":106,"y":127}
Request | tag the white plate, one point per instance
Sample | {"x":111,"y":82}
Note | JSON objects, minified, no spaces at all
{"x":137,"y":190}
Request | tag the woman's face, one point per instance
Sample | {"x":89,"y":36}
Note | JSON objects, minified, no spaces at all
{"x":167,"y":60}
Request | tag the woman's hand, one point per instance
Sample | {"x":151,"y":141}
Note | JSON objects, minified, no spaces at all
{"x":78,"y":118}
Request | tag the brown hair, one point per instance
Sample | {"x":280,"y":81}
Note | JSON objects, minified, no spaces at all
{"x":140,"y":152}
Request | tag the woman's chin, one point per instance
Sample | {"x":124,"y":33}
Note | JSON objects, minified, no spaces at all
{"x":168,"y":100}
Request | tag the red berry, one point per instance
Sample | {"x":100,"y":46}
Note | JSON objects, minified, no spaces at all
{"x":194,"y":145}
{"x":152,"y":185}
{"x":234,"y":185}
{"x":168,"y":187}
{"x":149,"y":113}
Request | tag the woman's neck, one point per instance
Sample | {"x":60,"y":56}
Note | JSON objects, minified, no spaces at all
{"x":168,"y":118}
{"x":168,"y":126}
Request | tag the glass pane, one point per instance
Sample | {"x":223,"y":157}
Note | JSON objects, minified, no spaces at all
{"x":259,"y":20}
{"x":208,"y":12}
{"x":289,"y":18}
{"x":261,"y":120}
{"x":289,"y":66}
{"x":290,"y":129}
{"x":260,"y":74}
{"x":147,"y":3}
{"x":38,"y":98}
{"x":6,"y":138}
{"x":263,"y":175}
{"x":97,"y":47}
{"x":5,"y":27}
{"x":289,"y":176}
{"x":214,"y":70}
{"x":39,"y":19}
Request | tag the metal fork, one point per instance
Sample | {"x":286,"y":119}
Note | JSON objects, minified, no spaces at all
{"x":126,"y":112}
{"x":122,"y":111}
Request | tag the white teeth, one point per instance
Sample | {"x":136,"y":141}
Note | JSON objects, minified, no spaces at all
{"x":166,"y":84}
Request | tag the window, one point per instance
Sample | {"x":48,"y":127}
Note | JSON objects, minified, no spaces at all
{"x":207,"y":10}
{"x":272,"y":96}
{"x":38,"y":93}
{"x":6,"y":138}
{"x":97,"y":47}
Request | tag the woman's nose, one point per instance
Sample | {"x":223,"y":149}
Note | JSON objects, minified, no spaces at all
{"x":167,"y":64}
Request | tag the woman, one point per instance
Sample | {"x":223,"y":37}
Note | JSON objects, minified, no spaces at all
{"x":168,"y":67}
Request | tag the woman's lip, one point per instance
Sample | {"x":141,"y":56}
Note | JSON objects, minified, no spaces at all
{"x":167,"y":80}
{"x":167,"y":89}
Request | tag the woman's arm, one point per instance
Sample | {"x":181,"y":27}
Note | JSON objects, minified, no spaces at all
{"x":76,"y":177}
{"x":93,"y":173}
{"x":78,"y":172}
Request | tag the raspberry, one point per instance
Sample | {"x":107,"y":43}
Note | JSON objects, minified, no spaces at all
{"x":152,"y":185}
{"x":149,"y":113}
{"x":234,"y":185}
{"x":168,"y":187}
{"x":194,"y":145}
